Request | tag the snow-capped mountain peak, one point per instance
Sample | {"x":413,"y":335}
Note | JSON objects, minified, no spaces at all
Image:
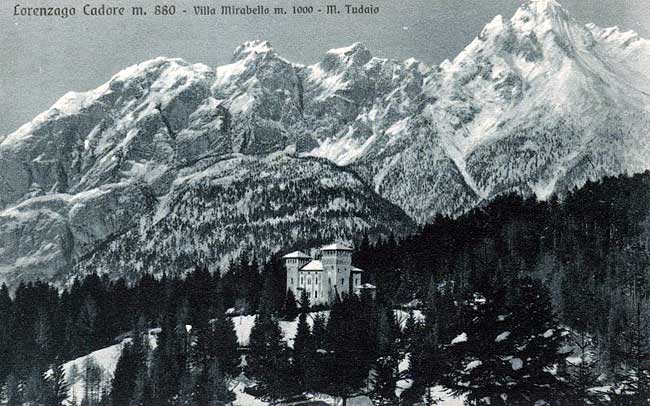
{"x":536,"y":104}
{"x":541,"y":73}
{"x":355,"y":55}
{"x":550,"y":8}
{"x":543,"y":17}
{"x":253,"y":49}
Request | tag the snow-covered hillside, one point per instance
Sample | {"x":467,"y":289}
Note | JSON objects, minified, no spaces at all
{"x":536,"y":104}
{"x":106,"y":359}
{"x":214,"y":213}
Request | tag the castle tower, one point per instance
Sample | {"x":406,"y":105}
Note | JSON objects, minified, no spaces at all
{"x":337,"y":268}
{"x":293,"y":262}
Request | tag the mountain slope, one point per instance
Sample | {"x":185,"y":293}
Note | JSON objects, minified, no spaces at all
{"x":536,"y":104}
{"x":242,"y":202}
{"x":128,"y":177}
{"x":554,"y":99}
{"x":94,"y":173}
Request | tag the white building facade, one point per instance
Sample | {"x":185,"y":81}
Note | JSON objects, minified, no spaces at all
{"x":324,"y":278}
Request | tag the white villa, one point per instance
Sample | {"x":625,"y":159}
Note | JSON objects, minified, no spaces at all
{"x":324,"y":278}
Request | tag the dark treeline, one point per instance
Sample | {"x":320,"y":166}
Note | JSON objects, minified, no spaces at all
{"x":503,"y":294}
{"x":590,"y":249}
{"x":331,"y":354}
{"x":41,"y":327}
{"x":591,"y":229}
{"x":504,"y":347}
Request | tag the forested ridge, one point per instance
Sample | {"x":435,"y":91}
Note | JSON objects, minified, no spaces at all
{"x":215,"y":215}
{"x":589,"y":252}
{"x":591,"y":249}
{"x":549,"y":300}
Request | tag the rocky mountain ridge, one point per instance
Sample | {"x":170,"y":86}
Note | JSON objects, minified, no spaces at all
{"x":536,"y":104}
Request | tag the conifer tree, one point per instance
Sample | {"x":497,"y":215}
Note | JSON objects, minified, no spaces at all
{"x":169,"y":358}
{"x":319,"y":331}
{"x":305,"y":303}
{"x":227,"y":346}
{"x":203,"y":347}
{"x":215,"y":389}
{"x":290,"y":308}
{"x":386,"y":367}
{"x":86,"y":325}
{"x":268,"y":358}
{"x":275,"y":268}
{"x":215,"y":345}
{"x":304,"y":354}
{"x":128,"y":383}
{"x":388,"y":332}
{"x":34,"y":388}
{"x":11,"y":391}
{"x":426,"y":357}
{"x":410,"y":331}
{"x":506,"y":345}
{"x":200,"y":301}
{"x":347,"y":361}
{"x":385,"y":381}
{"x":633,"y":375}
{"x":42,"y":339}
{"x":57,"y":386}
{"x":582,"y":374}
{"x":92,"y":376}
{"x":267,"y":302}
{"x":303,"y":339}
{"x":258,"y":282}
{"x":127,"y":369}
{"x":141,"y":389}
{"x":72,"y":378}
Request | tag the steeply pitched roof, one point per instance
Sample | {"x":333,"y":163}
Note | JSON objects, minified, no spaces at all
{"x":313,"y":265}
{"x":336,"y":247}
{"x":355,"y":269}
{"x":296,"y":254}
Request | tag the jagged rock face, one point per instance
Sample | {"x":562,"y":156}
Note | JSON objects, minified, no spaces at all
{"x":47,"y":234}
{"x":169,"y":162}
{"x":263,"y":94}
{"x":541,"y":104}
{"x":351,"y":100}
{"x":535,"y":104}
{"x":135,"y":121}
{"x":86,"y":182}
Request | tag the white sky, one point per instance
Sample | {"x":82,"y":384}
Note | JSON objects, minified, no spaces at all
{"x":43,"y":58}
